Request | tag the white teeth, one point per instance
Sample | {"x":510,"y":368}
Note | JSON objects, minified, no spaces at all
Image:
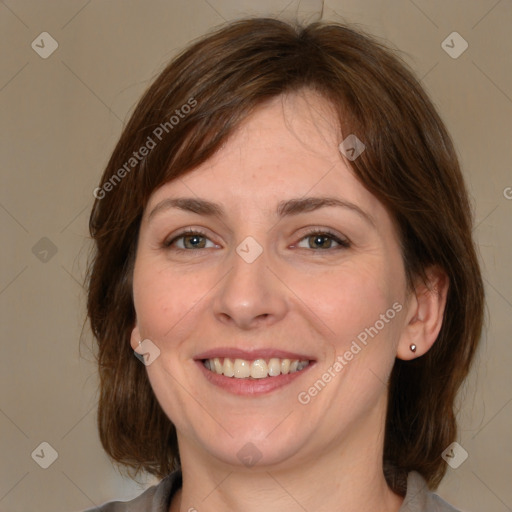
{"x":217,"y":365}
{"x":229,"y":371}
{"x":274,"y":367}
{"x":257,"y":369}
{"x":242,"y":368}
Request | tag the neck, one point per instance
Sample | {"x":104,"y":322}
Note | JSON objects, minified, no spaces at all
{"x":347,"y":476}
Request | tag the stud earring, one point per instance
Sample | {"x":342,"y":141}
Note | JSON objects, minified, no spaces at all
{"x":412,"y":346}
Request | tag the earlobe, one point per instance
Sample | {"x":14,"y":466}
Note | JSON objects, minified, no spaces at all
{"x":425,"y":315}
{"x":135,"y":337}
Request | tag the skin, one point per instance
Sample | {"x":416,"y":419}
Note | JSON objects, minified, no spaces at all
{"x":296,"y":296}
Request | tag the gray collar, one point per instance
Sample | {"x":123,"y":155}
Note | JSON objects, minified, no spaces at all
{"x":420,"y":499}
{"x":158,"y":498}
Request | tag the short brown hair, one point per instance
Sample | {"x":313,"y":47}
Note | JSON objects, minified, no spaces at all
{"x":409,"y":165}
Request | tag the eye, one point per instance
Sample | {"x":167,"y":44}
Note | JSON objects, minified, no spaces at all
{"x":190,"y":239}
{"x":195,"y":239}
{"x":322,"y":239}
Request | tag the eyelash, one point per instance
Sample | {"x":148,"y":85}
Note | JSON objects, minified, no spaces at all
{"x":343,"y":243}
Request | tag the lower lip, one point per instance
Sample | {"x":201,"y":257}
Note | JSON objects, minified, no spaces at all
{"x":251,"y":387}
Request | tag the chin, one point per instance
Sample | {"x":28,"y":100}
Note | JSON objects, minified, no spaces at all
{"x":253,"y":446}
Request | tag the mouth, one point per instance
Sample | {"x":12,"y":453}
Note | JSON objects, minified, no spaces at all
{"x":255,"y":369}
{"x":252,"y":373}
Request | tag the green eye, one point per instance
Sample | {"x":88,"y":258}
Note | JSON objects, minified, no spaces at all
{"x":191,"y":239}
{"x":322,"y":240}
{"x":315,"y":240}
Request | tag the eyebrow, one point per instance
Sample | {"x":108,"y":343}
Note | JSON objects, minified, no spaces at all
{"x":284,"y":208}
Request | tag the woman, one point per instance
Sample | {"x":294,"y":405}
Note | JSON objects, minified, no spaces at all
{"x":283,"y":240}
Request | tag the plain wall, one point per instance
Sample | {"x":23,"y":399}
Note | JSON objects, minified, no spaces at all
{"x":60,"y":119}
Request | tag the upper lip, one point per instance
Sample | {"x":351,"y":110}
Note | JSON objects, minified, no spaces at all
{"x":251,"y":355}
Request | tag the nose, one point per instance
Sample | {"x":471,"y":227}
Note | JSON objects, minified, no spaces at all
{"x":250,"y":295}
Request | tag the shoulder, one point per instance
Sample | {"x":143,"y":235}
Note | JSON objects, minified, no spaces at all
{"x":420,"y":499}
{"x":154,"y":499}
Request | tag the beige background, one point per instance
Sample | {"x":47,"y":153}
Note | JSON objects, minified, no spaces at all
{"x":60,"y":119}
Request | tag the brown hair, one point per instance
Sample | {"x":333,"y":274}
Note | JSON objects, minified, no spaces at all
{"x":409,"y":164}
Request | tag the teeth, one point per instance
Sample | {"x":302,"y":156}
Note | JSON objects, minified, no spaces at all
{"x":257,"y":369}
{"x":242,"y":369}
{"x":274,"y":367}
{"x":217,"y":365}
{"x":229,"y":371}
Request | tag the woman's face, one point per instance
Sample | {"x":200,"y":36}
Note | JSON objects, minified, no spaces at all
{"x":294,"y":260}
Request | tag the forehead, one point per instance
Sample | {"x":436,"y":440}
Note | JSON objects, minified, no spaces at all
{"x":286,"y":148}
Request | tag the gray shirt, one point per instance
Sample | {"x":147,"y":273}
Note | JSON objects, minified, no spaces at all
{"x":158,"y":498}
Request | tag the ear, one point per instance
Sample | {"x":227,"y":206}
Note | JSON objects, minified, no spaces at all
{"x":135,"y":337}
{"x":425,"y":311}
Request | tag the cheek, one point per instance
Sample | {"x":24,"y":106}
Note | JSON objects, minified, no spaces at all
{"x":351,"y":297}
{"x":163,"y":298}
{"x":356,"y":303}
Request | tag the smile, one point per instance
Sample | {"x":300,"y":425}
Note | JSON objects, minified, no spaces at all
{"x":255,"y":369}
